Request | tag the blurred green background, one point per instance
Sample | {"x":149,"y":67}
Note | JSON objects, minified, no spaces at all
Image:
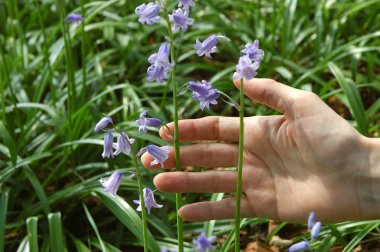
{"x":57,"y":81}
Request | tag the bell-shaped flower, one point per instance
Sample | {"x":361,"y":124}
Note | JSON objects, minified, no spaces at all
{"x":253,"y":51}
{"x":108,"y":144}
{"x":299,"y":247}
{"x":186,"y":4}
{"x":103,"y":123}
{"x":74,"y":18}
{"x":160,"y":154}
{"x":145,"y":122}
{"x":161,"y":58}
{"x":148,"y":13}
{"x":158,"y":74}
{"x":180,"y":20}
{"x":315,"y":230}
{"x":112,"y":184}
{"x":148,"y":200}
{"x":246,"y":68}
{"x":198,"y":87}
{"x":311,"y":220}
{"x":208,"y":46}
{"x":123,"y":144}
{"x":203,"y":243}
{"x":202,"y":92}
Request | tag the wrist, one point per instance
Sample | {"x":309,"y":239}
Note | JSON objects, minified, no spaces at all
{"x":371,"y":195}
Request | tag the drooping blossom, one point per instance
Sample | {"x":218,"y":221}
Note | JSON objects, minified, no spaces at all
{"x":253,"y":51}
{"x":123,"y":144}
{"x":202,"y":92}
{"x":246,"y":68}
{"x":148,"y":200}
{"x":74,"y":18}
{"x":158,"y":74}
{"x":160,"y":154}
{"x":299,"y":247}
{"x":208,"y":46}
{"x":164,"y":249}
{"x":186,"y":4}
{"x":148,"y":13}
{"x":112,"y":184}
{"x":103,"y":123}
{"x":315,"y":230}
{"x":108,"y":144}
{"x":204,"y":243}
{"x":180,"y":20}
{"x":311,"y":220}
{"x":161,"y":58}
{"x":145,"y":122}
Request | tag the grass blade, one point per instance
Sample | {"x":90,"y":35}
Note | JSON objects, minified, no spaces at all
{"x":31,"y":226}
{"x":56,"y":233}
{"x":355,"y":241}
{"x":93,"y":225}
{"x":3,"y":218}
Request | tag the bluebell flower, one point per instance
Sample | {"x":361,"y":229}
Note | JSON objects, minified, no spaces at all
{"x":181,"y":20}
{"x":123,"y":145}
{"x":246,"y":68}
{"x":112,"y":184}
{"x":202,"y":92}
{"x":108,"y":144}
{"x":158,"y":74}
{"x":253,"y":51}
{"x":208,"y":46}
{"x":103,"y":123}
{"x":148,"y":200}
{"x":145,"y":122}
{"x":74,"y":18}
{"x":315,"y":230}
{"x":161,"y":58}
{"x":160,"y":154}
{"x":299,"y":247}
{"x":204,"y":243}
{"x":186,"y":4}
{"x":148,"y":13}
{"x":311,"y":220}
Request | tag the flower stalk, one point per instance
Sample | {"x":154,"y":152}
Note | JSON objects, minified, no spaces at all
{"x":240,"y":169}
{"x":176,"y":132}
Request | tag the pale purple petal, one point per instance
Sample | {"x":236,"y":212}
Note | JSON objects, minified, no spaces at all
{"x":315,"y":230}
{"x":246,"y":68}
{"x":299,"y":247}
{"x":102,"y":123}
{"x":108,"y":144}
{"x":149,"y":200}
{"x":145,"y":122}
{"x":204,"y":243}
{"x":112,"y":184}
{"x":160,"y":154}
{"x":180,"y":20}
{"x":253,"y":51}
{"x":123,"y":144}
{"x":311,"y":220}
{"x":148,"y":13}
{"x":74,"y":18}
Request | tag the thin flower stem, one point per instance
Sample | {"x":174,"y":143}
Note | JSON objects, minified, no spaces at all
{"x":240,"y":169}
{"x":84,"y":92}
{"x":142,"y":200}
{"x":176,"y":132}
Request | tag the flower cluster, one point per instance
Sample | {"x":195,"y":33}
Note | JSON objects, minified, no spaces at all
{"x":250,"y":62}
{"x":74,"y":18}
{"x":315,"y":228}
{"x":203,"y":92}
{"x":203,"y":243}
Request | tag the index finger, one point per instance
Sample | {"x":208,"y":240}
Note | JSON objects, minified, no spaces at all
{"x":211,"y":128}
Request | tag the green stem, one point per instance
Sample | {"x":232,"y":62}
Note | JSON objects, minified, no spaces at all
{"x":176,"y":131}
{"x":240,"y":169}
{"x":142,"y":200}
{"x":83,"y":52}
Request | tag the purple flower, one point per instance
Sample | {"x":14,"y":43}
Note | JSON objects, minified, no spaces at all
{"x":123,"y":145}
{"x":148,"y":200}
{"x":202,"y":92}
{"x":315,"y":230}
{"x":208,"y":46}
{"x":160,"y":154}
{"x":203,"y":243}
{"x":253,"y":51}
{"x":112,"y":184}
{"x":74,"y":18}
{"x":158,"y":74}
{"x":181,"y":20}
{"x":246,"y":69}
{"x":186,"y":4}
{"x":148,"y":13}
{"x":299,"y":247}
{"x":145,"y":122}
{"x":108,"y":144}
{"x":161,"y":58}
{"x":311,"y":220}
{"x":102,"y":123}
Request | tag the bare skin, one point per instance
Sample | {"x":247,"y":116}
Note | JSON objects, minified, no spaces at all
{"x":308,"y":159}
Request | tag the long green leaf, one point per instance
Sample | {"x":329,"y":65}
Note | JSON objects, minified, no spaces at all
{"x":56,"y":232}
{"x":3,"y":218}
{"x":31,"y":226}
{"x":359,"y":237}
{"x":93,"y":225}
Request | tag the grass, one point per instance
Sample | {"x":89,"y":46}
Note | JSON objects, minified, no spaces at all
{"x":56,"y":81}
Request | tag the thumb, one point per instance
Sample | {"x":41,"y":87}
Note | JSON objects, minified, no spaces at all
{"x":271,"y":93}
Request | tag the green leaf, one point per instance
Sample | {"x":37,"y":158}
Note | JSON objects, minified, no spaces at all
{"x":56,"y":232}
{"x":359,"y":237}
{"x":93,"y":225}
{"x":31,"y":226}
{"x":3,"y":218}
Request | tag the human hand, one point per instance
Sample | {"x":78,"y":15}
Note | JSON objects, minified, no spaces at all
{"x":308,"y":159}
